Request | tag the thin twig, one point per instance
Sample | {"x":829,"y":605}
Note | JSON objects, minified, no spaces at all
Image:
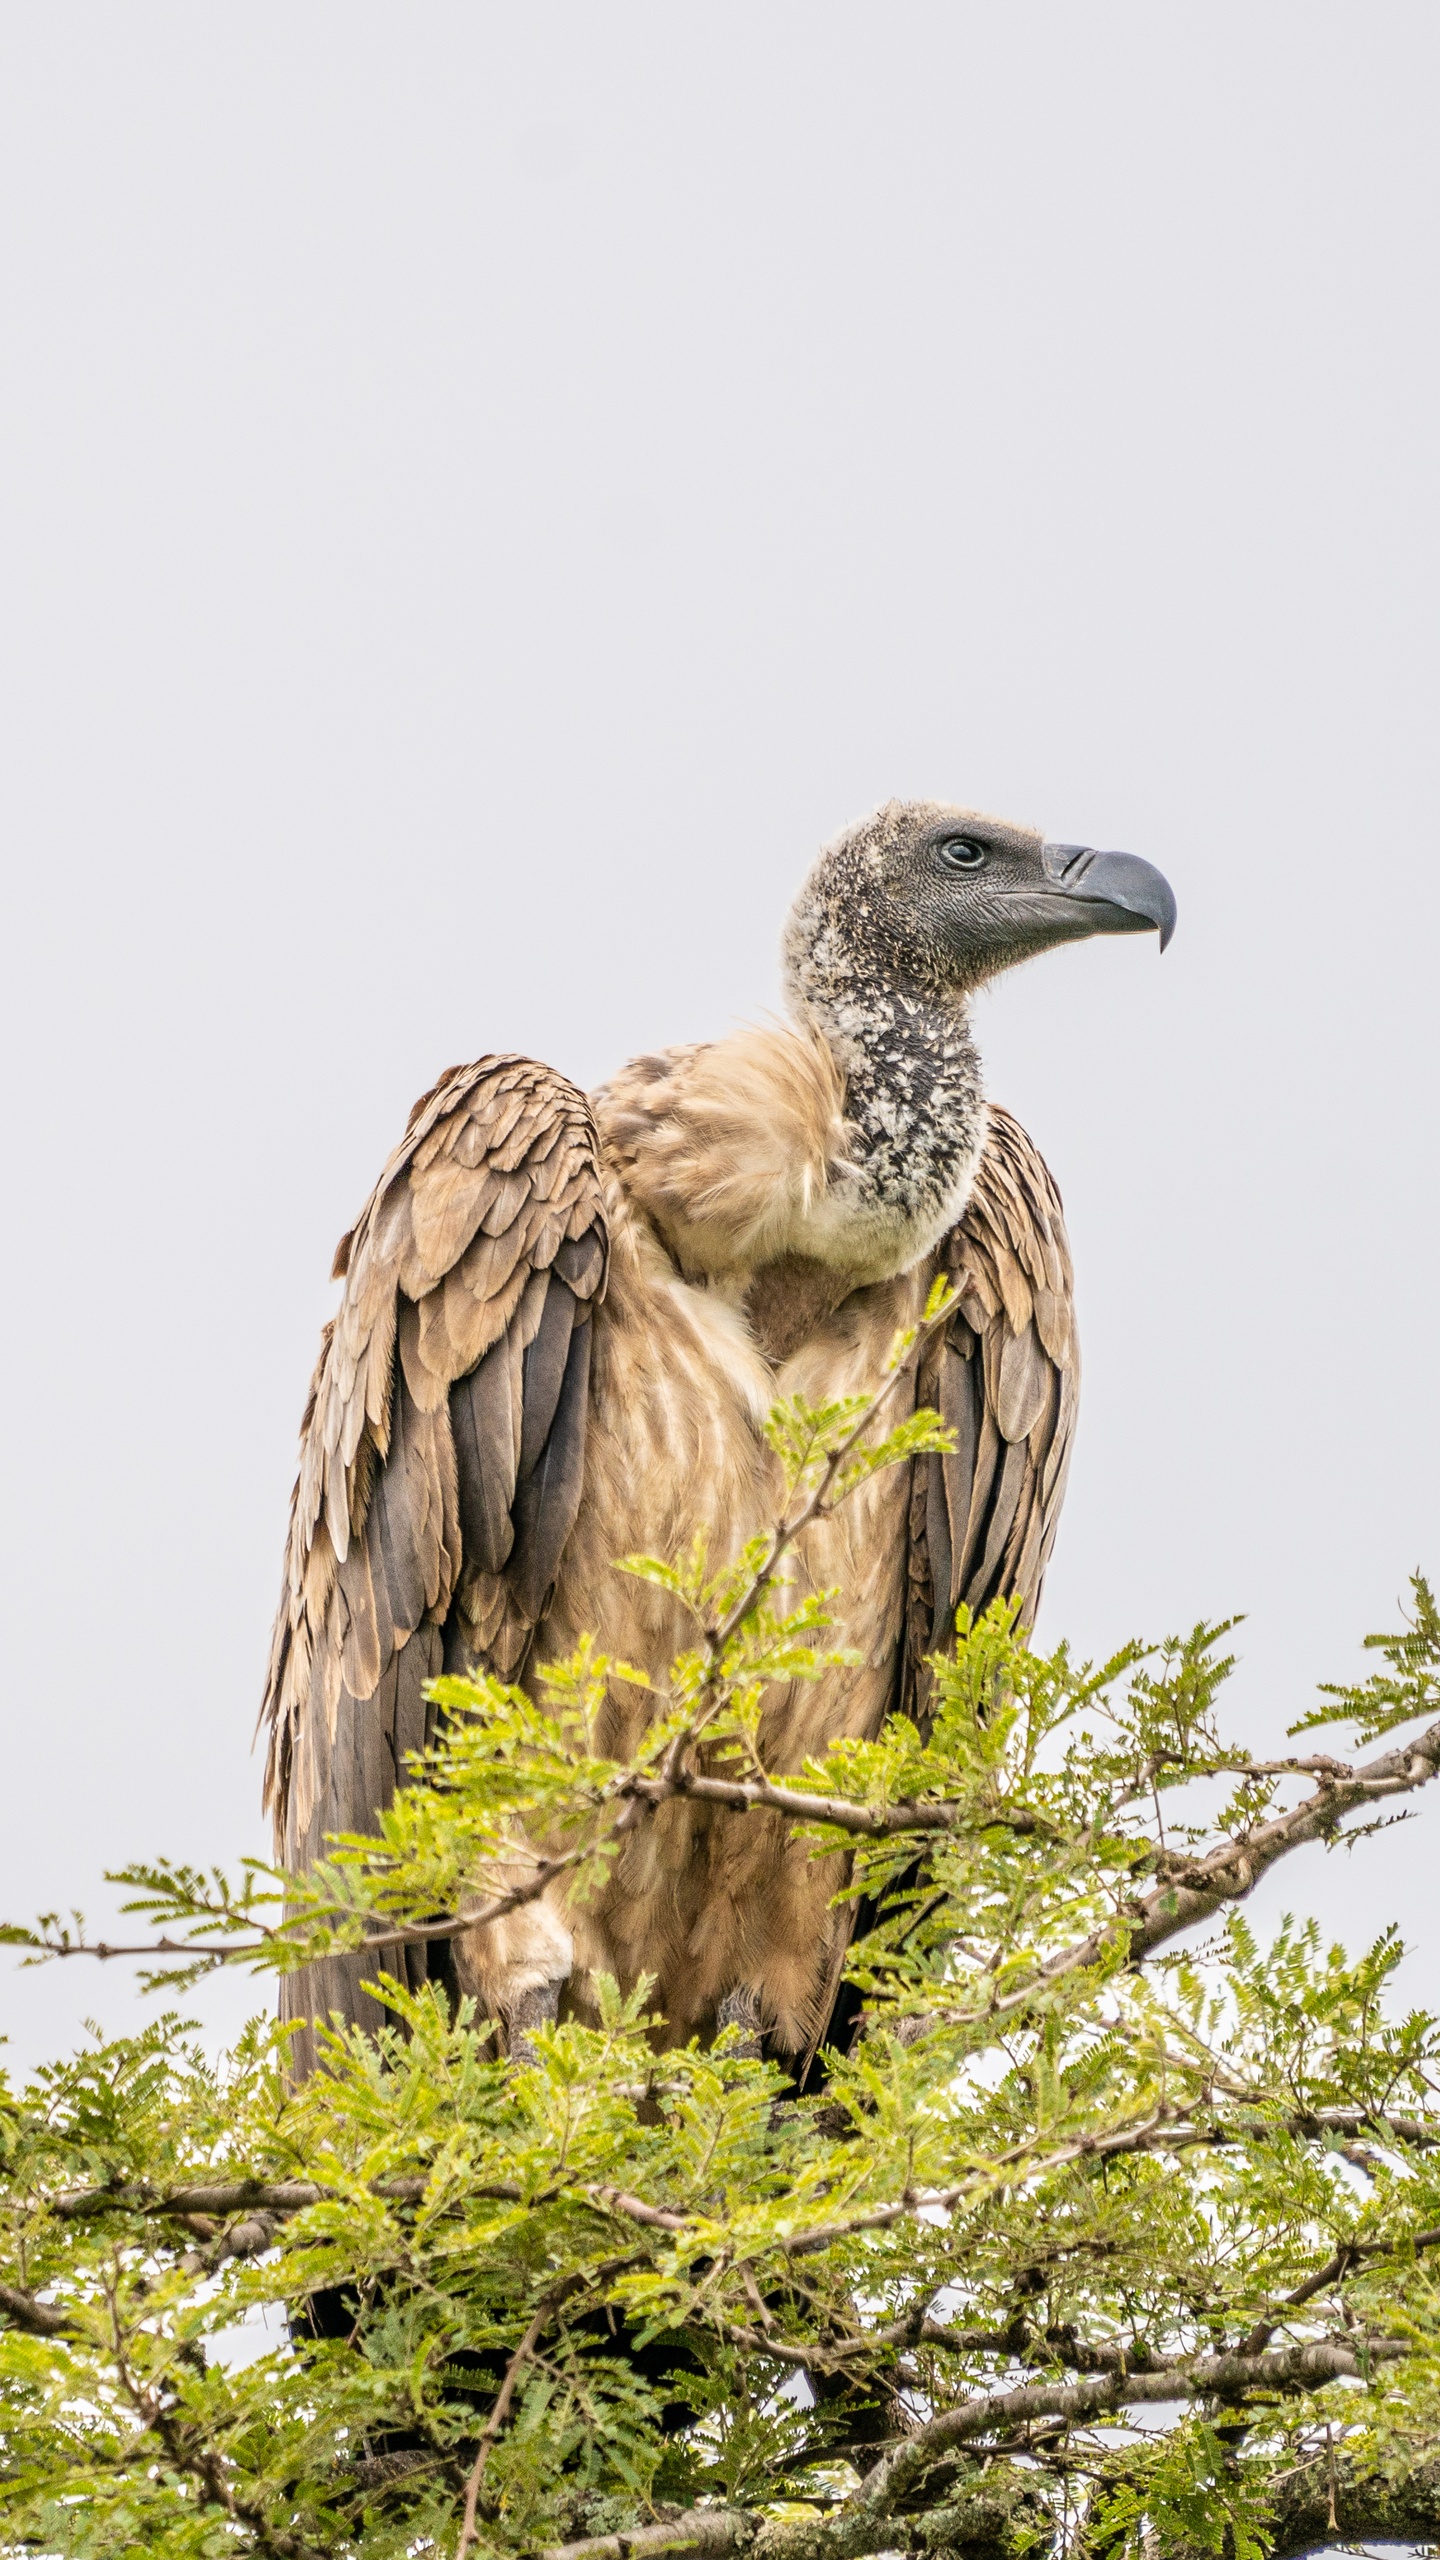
{"x":415,"y":1933}
{"x":496,"y":2421}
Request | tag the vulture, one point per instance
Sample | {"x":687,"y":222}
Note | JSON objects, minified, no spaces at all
{"x":564,"y":1321}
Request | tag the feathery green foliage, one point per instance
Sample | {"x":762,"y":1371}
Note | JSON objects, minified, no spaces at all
{"x":1103,"y":2237}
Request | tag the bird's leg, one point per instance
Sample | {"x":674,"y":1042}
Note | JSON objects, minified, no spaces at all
{"x":514,"y":1969}
{"x":741,"y":2008}
{"x":537,"y":2006}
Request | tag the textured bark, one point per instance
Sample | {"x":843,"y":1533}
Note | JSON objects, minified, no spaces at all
{"x":985,"y":2518}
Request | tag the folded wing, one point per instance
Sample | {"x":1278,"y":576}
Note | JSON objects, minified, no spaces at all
{"x":1005,"y":1375}
{"x":442,"y":1448}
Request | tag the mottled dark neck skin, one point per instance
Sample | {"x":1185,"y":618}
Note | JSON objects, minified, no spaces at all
{"x":914,"y":1094}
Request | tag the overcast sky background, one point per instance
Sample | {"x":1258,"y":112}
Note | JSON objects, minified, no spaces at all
{"x":484,"y":491}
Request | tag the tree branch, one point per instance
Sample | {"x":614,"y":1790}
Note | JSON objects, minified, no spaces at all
{"x":39,"y":2319}
{"x":695,"y":2529}
{"x":1195,"y":1889}
{"x":868,"y":2523}
{"x":840,"y":1813}
{"x":416,"y":1933}
{"x":236,"y":2195}
{"x":1301,"y":2368}
{"x":1190,"y":1890}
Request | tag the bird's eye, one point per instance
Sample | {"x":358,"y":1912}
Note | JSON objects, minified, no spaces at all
{"x":961,"y":853}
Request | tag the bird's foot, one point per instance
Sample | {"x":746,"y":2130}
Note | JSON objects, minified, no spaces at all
{"x":741,"y":2008}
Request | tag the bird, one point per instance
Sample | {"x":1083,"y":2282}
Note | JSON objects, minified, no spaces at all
{"x":564,"y":1321}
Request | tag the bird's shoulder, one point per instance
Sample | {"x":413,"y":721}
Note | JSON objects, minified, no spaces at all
{"x":498,"y":1173}
{"x":487,"y":1138}
{"x":496,"y":1181}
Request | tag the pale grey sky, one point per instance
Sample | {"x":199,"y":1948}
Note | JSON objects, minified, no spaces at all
{"x":484,"y":490}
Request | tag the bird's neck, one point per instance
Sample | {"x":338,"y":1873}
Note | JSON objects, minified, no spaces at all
{"x":914,"y":1094}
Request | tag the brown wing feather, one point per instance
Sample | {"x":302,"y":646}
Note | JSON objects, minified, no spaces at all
{"x":1005,"y":1375}
{"x":442,"y":1445}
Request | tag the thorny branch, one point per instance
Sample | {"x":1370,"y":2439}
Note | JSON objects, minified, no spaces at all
{"x":1195,"y":1889}
{"x":869,"y":2522}
{"x":1190,"y":1890}
{"x":1301,"y":2368}
{"x":278,"y":2199}
{"x":193,"y":2455}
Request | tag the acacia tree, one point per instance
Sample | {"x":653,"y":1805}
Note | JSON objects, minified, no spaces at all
{"x":1104,"y":2236}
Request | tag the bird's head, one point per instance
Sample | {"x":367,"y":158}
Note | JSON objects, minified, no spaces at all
{"x":940,"y":899}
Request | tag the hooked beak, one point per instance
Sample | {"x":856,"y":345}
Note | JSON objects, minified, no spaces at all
{"x":1113,"y":892}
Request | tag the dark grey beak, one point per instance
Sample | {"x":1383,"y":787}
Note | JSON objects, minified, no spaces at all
{"x":1125,"y":894}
